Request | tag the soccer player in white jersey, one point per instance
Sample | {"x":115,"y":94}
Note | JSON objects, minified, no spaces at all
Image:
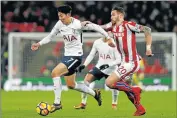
{"x":71,"y":29}
{"x":107,"y":63}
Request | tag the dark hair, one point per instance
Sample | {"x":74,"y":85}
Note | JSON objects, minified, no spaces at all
{"x":64,"y":9}
{"x":119,"y":9}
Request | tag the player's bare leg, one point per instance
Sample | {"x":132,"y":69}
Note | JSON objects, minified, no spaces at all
{"x":89,"y":78}
{"x":58,"y":71}
{"x":114,"y":82}
{"x":81,"y":87}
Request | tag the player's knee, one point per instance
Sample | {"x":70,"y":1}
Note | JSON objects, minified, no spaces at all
{"x":86,"y":83}
{"x":71,"y":86}
{"x":109,"y":84}
{"x":54,"y":73}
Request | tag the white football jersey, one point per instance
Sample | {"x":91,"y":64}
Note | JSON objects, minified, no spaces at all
{"x":107,"y":55}
{"x":72,"y":35}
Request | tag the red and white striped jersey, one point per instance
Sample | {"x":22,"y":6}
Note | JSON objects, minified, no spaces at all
{"x":125,"y":38}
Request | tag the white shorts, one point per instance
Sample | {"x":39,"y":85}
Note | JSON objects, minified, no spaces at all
{"x":126,"y":70}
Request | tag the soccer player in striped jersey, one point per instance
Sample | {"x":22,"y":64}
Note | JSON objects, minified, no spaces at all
{"x":71,"y":30}
{"x":124,"y":34}
{"x":107,"y":63}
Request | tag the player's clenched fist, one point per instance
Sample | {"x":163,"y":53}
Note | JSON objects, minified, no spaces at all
{"x":149,"y":51}
{"x":35,"y":46}
{"x":81,"y":68}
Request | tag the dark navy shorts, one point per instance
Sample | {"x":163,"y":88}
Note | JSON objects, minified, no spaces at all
{"x":72,"y":62}
{"x":97,"y":73}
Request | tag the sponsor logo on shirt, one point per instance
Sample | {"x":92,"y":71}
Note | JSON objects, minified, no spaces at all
{"x":69,"y":38}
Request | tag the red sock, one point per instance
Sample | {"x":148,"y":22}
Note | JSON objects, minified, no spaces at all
{"x":130,"y":97}
{"x":122,"y":86}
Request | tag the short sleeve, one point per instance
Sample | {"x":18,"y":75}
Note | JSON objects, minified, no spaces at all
{"x":134,"y":26}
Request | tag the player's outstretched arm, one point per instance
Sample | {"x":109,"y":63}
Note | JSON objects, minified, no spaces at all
{"x":147,"y":32}
{"x":91,"y":26}
{"x":46,"y":39}
{"x":107,"y":26}
{"x":148,"y":38}
{"x":89,"y":57}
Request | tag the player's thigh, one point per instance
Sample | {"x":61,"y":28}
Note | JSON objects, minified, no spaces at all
{"x":94,"y":74}
{"x":72,"y":63}
{"x":70,"y":80}
{"x":59,"y":70}
{"x":113,"y":78}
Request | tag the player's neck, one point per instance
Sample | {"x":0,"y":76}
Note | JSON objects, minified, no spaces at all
{"x":119,"y":22}
{"x":68,"y":21}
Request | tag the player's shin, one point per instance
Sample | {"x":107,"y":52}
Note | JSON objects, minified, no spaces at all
{"x":84,"y":98}
{"x":84,"y":95}
{"x":115,"y":94}
{"x":83,"y":88}
{"x":57,"y":89}
{"x":131,"y":97}
{"x":122,"y":86}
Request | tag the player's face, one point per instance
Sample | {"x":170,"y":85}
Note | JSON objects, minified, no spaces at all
{"x":63,"y":17}
{"x":115,"y":16}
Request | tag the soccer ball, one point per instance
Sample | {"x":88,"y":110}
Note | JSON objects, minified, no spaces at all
{"x":43,"y":108}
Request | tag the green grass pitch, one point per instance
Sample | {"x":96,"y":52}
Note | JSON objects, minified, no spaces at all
{"x":23,"y":104}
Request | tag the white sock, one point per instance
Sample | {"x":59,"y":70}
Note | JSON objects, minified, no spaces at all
{"x":84,"y":98}
{"x":83,"y":88}
{"x":115,"y":94}
{"x":84,"y":95}
{"x":92,"y":85}
{"x":57,"y":89}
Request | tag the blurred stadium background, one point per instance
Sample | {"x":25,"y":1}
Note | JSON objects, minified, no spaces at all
{"x":34,"y":68}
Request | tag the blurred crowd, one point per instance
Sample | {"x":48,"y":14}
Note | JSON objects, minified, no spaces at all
{"x":31,"y":16}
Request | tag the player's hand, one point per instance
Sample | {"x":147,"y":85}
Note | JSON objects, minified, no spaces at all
{"x":35,"y":46}
{"x":149,"y":53}
{"x":111,"y":43}
{"x":102,"y":67}
{"x":81,"y":68}
{"x":110,"y":34}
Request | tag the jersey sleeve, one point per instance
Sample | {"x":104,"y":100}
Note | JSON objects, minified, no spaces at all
{"x":91,"y":55}
{"x":108,"y":26}
{"x":52,"y":34}
{"x":134,"y":26}
{"x":117,"y":58}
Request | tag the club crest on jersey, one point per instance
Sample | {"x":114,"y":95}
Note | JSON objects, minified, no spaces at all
{"x":69,"y":37}
{"x":105,"y":56}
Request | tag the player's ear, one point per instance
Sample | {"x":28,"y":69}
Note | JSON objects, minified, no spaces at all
{"x":68,"y":14}
{"x":121,"y":15}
